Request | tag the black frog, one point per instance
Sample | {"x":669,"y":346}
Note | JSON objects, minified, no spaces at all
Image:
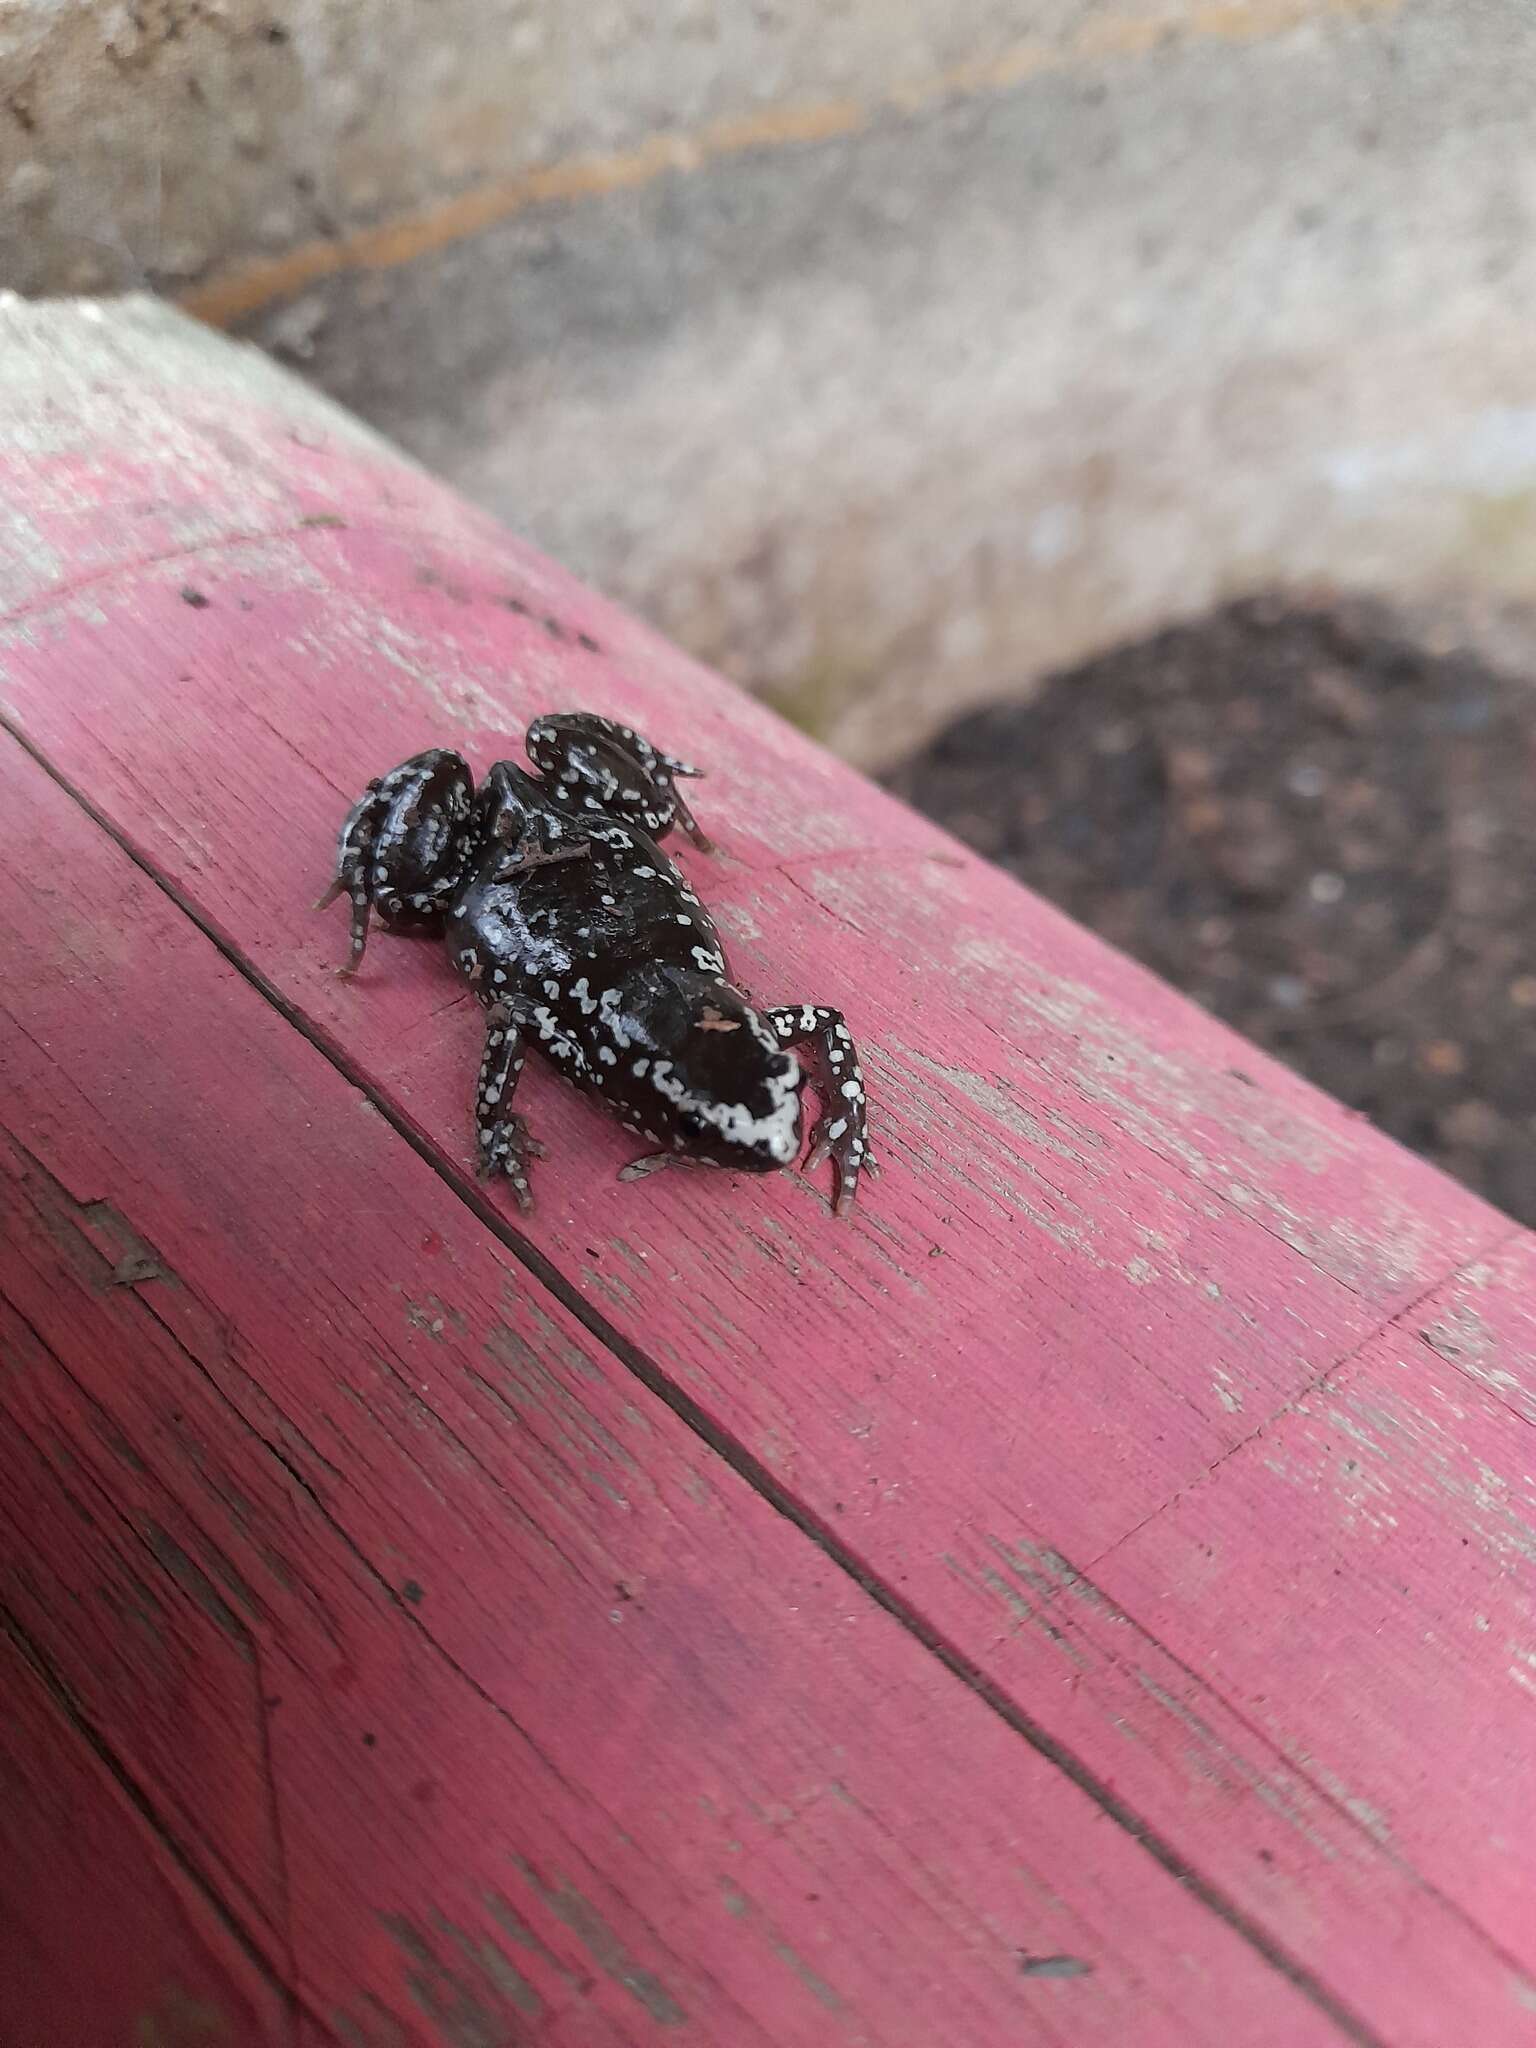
{"x":580,"y":936}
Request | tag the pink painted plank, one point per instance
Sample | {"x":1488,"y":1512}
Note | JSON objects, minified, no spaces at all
{"x":485,"y":1694}
{"x":194,"y":430}
{"x":1149,"y":1240}
{"x":1137,"y":1271}
{"x":1484,"y":1322}
{"x":157,"y":1952}
{"x":1392,"y":1587}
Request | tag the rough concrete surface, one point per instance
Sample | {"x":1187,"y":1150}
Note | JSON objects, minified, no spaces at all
{"x":159,"y":141}
{"x":889,"y":423}
{"x":990,"y":340}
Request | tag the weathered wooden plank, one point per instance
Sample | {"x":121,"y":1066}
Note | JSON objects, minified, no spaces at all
{"x":98,"y":1917}
{"x":495,"y":1704}
{"x":1484,"y":1322}
{"x":1155,"y":1295}
{"x":1409,"y":1602}
{"x":1149,"y":1240}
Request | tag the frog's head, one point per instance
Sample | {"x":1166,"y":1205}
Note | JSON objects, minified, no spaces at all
{"x":703,"y":1073}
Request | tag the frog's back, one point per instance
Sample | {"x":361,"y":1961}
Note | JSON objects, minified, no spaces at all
{"x":622,"y":905}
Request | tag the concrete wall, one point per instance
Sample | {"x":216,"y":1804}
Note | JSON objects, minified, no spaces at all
{"x":886,"y":354}
{"x":166,"y":141}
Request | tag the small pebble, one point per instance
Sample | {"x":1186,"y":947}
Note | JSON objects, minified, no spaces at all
{"x":1442,"y":1056}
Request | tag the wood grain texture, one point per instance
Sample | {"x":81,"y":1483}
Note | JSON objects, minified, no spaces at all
{"x":487,"y":1701}
{"x":1411,"y":1470}
{"x":101,"y":1916}
{"x":1115,"y":1250}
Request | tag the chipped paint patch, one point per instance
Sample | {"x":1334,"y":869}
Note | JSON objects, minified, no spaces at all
{"x":605,"y":1948}
{"x":740,"y":1907}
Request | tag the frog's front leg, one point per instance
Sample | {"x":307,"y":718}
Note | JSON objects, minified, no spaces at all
{"x":501,"y":1135}
{"x":354,"y":852}
{"x":840,"y":1133}
{"x":600,"y":765}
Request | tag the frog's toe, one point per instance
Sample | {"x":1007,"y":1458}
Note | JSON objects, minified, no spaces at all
{"x":505,"y":1147}
{"x":841,"y":1139}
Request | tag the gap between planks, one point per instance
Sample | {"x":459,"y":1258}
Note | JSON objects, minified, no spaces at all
{"x":732,"y":1452}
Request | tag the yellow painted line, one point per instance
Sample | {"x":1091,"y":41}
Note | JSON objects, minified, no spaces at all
{"x":245,"y":290}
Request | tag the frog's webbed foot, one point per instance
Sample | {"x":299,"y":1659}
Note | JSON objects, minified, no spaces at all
{"x":840,"y":1132}
{"x":502,"y":1140}
{"x":600,"y":765}
{"x":508,"y":1150}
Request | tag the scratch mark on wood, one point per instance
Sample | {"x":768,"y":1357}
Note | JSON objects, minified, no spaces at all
{"x":173,"y":1560}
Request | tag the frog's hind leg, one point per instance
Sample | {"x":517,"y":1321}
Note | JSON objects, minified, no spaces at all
{"x":402,"y":849}
{"x":501,"y":1135}
{"x":599,"y":765}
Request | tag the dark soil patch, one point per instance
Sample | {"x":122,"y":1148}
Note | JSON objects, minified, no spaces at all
{"x":1324,"y":835}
